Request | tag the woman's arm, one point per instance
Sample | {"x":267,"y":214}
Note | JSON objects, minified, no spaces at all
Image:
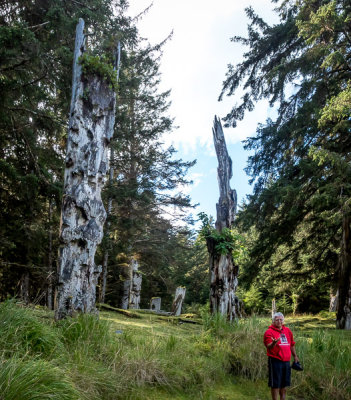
{"x":293,"y":352}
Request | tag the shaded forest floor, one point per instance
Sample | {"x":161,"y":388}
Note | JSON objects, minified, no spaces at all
{"x":138,"y":355}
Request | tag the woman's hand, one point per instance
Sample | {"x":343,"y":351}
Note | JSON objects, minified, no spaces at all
{"x":274,"y":342}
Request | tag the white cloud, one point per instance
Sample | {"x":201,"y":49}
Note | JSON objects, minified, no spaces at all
{"x":195,"y":61}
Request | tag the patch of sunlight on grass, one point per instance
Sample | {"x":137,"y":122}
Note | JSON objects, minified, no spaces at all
{"x":130,"y":324}
{"x":151,"y":325}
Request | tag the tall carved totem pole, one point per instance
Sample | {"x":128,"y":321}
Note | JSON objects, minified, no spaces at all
{"x":223,"y":271}
{"x":92,"y":116}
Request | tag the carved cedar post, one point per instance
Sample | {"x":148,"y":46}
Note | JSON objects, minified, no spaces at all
{"x":135,"y":285}
{"x":223,"y":272}
{"x":333,"y":300}
{"x":125,"y":294}
{"x":155,"y":304}
{"x":92,"y":116}
{"x":178,"y":301}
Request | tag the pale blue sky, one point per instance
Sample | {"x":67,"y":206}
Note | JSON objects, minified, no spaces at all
{"x":193,"y":65}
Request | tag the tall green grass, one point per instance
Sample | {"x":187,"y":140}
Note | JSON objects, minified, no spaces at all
{"x":325,"y":354}
{"x":21,"y":332}
{"x":87,"y":358}
{"x":32,"y":379}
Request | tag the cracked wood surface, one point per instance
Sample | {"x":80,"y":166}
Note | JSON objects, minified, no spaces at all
{"x":92,"y":116}
{"x":223,"y":271}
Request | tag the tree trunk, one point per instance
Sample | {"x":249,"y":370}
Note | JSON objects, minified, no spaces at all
{"x":135,"y":287}
{"x":343,"y":316}
{"x":274,"y":308}
{"x":50,"y":257}
{"x":223,"y":272}
{"x":178,"y":301}
{"x":83,"y":215}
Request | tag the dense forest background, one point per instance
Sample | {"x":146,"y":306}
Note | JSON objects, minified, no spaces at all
{"x":294,"y":229}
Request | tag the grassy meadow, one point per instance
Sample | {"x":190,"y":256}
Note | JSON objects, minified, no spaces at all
{"x":139,"y":355}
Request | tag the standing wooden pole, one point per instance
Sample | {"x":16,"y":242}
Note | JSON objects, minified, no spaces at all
{"x":125,"y":294}
{"x":92,"y":116}
{"x":135,"y":284}
{"x":223,"y":271}
{"x":178,"y":300}
{"x":155,"y":304}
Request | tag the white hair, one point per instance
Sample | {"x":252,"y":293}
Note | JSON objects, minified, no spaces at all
{"x":277,"y":314}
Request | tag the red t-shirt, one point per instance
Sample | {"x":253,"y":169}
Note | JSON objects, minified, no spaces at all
{"x":282,"y":350}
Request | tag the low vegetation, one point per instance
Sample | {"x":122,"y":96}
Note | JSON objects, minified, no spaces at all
{"x":156,"y":357}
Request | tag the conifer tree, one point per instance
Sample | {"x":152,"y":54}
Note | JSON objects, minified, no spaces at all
{"x":146,"y":174}
{"x":301,"y":161}
{"x":36,"y":44}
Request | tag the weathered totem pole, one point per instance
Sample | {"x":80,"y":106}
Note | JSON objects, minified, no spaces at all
{"x":223,"y":271}
{"x":135,"y":285}
{"x":125,"y":294}
{"x":91,"y":122}
{"x":155,"y":304}
{"x":132,"y":287}
{"x":178,"y":301}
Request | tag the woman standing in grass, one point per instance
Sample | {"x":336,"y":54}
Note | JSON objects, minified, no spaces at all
{"x":280,"y":344}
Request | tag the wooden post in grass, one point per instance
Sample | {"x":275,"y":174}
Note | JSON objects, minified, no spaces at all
{"x":135,"y":285}
{"x":125,"y":294}
{"x":223,"y":271}
{"x":178,"y":301}
{"x":92,"y":117}
{"x":155,"y":304}
{"x":333,"y":301}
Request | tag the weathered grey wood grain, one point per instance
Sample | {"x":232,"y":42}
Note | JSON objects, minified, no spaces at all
{"x":155,"y":304}
{"x":83,"y":215}
{"x":223,"y":271}
{"x":135,"y":286}
{"x":178,"y":301}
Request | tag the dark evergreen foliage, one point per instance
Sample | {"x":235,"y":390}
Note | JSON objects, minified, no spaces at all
{"x":36,"y":52}
{"x":301,"y":162}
